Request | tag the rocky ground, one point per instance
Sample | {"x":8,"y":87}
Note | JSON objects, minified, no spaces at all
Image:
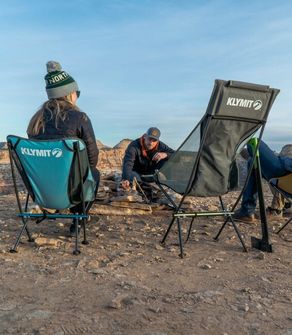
{"x":125,"y":282}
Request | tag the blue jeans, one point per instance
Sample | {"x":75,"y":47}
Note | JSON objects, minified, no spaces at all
{"x":271,"y":167}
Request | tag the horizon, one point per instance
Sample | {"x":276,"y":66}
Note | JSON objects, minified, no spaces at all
{"x":146,"y":63}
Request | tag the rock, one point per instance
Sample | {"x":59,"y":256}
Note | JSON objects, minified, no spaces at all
{"x":127,"y":198}
{"x":117,"y":302}
{"x":205,"y":266}
{"x":48,"y":242}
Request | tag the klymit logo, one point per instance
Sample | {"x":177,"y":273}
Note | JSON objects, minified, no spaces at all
{"x":257,"y":105}
{"x":57,"y":152}
{"x":238,"y":102}
{"x":42,"y":152}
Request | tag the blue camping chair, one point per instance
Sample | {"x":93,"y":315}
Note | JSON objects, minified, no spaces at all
{"x":56,"y":175}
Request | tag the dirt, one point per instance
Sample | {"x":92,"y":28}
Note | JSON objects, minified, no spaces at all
{"x":126,"y":282}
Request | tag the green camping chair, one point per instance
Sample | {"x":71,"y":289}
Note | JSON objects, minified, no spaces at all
{"x":205,"y":163}
{"x":56,"y":175}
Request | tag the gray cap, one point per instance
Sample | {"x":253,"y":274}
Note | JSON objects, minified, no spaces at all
{"x":153,"y":132}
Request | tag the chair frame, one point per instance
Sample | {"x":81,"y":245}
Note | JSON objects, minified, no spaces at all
{"x":25,"y":215}
{"x":179,"y":213}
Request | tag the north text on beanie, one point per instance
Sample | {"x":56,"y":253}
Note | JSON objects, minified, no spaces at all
{"x":58,"y":82}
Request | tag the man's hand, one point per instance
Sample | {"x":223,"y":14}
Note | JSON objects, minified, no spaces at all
{"x":125,"y":184}
{"x":159,"y":156}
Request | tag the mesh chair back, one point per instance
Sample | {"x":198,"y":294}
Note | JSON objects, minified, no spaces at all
{"x":204,"y":165}
{"x":49,"y":170}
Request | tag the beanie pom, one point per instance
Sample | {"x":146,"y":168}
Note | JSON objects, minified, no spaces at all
{"x":53,"y":66}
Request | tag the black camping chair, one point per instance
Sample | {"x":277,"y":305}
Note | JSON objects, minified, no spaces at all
{"x":284,"y":186}
{"x":57,"y":176}
{"x":204,"y":165}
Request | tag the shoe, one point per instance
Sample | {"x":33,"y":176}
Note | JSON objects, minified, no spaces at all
{"x":72,"y":228}
{"x":244,"y":218}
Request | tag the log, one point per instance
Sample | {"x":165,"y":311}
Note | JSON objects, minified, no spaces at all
{"x":111,"y":210}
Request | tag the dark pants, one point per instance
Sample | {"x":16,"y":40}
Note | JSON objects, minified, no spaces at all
{"x":271,"y":167}
{"x":137,"y":175}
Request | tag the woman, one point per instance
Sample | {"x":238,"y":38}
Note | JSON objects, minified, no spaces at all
{"x":60,"y":117}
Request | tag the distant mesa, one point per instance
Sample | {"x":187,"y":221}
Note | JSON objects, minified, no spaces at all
{"x":3,"y":145}
{"x":100,"y":145}
{"x":123,"y":144}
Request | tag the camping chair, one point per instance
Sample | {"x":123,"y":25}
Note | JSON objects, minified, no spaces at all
{"x":204,"y":165}
{"x":284,"y":186}
{"x":56,"y":176}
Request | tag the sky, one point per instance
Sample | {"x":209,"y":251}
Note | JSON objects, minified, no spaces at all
{"x":143,"y":63}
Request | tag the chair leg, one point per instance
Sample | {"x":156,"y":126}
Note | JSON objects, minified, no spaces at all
{"x":283,"y":226}
{"x":168,"y":230}
{"x":229,"y":218}
{"x":30,"y":239}
{"x":76,"y":251}
{"x":180,"y":238}
{"x":221,"y":229}
{"x":85,"y":241}
{"x":190,"y":229}
{"x":238,"y":234}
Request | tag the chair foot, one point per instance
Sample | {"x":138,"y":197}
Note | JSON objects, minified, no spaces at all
{"x":13,"y":251}
{"x":31,"y":239}
{"x":76,"y":252}
{"x":85,"y":242}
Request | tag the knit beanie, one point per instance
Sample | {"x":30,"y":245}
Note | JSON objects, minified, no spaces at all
{"x":58,"y":82}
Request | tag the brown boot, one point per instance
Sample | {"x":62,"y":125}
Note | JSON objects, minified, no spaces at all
{"x":244,"y":218}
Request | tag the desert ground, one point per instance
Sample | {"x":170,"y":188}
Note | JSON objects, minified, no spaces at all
{"x":126,"y":282}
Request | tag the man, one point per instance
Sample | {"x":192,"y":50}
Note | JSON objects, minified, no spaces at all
{"x":143,"y":156}
{"x":272,"y":166}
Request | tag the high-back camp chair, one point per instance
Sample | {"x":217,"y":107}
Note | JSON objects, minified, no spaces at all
{"x":284,"y":186}
{"x":56,"y":175}
{"x":204,"y":165}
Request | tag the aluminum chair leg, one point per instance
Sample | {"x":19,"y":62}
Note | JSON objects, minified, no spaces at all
{"x":180,"y":238}
{"x":190,"y":229}
{"x":238,"y":234}
{"x":229,"y":218}
{"x":221,"y":229}
{"x":85,"y":241}
{"x":168,"y":230}
{"x":284,"y":226}
{"x":76,"y":251}
{"x":30,"y":238}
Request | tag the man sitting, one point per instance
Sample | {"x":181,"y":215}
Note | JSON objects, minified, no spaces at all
{"x":143,"y":156}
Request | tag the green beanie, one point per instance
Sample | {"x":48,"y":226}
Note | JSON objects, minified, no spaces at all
{"x":58,"y":82}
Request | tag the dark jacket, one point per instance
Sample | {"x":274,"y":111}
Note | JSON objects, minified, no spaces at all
{"x":77,"y":124}
{"x":135,"y":161}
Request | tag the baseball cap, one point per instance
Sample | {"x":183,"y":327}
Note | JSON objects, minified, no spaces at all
{"x":154,"y":133}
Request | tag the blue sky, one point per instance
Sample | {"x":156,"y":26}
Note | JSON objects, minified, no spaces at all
{"x":143,"y":63}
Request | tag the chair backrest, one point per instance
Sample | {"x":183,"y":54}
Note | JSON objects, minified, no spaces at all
{"x":50,"y":170}
{"x":204,"y":165}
